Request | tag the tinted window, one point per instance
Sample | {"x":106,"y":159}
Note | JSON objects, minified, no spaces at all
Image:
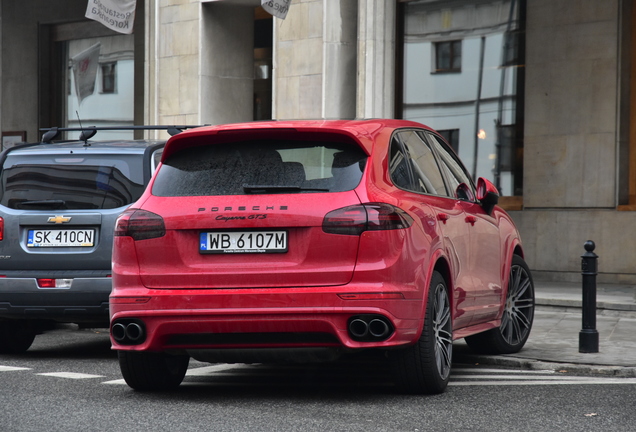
{"x":70,"y":182}
{"x":267,"y":166}
{"x":399,"y":167}
{"x":456,"y":173}
{"x":420,"y":161}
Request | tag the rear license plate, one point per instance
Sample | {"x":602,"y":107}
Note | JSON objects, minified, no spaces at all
{"x":61,"y":238}
{"x":243,"y":242}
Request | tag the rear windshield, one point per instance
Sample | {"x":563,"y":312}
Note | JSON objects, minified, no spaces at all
{"x":261,"y":167}
{"x":52,"y":182}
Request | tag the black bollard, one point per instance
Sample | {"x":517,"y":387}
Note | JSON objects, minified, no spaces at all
{"x":588,"y":336}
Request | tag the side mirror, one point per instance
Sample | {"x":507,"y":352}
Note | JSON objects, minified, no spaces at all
{"x":487,"y":194}
{"x":463,"y":192}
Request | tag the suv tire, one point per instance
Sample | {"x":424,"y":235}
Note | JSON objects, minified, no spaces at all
{"x":14,"y":338}
{"x":148,"y":371}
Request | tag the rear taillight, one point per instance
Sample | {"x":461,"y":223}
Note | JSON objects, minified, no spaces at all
{"x":354,"y":220}
{"x":140,"y":225}
{"x":1,"y":228}
{"x":54,"y":283}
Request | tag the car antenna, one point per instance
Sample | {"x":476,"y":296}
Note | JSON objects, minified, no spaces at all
{"x":86,"y":134}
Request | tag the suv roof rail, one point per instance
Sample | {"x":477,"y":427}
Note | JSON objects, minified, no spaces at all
{"x":87,"y":132}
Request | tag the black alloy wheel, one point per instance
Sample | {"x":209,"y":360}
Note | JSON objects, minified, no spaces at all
{"x":517,"y":318}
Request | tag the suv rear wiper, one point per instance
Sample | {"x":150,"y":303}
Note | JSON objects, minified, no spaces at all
{"x":52,"y":204}
{"x":277,"y":189}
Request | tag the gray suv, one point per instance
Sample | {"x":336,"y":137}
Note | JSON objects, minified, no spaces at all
{"x":58,"y":205}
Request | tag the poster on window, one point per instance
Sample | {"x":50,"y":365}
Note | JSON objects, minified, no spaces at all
{"x":117,"y":15}
{"x":277,"y":8}
{"x":84,"y":67}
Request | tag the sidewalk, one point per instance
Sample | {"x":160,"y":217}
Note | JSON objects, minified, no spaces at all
{"x":554,"y":340}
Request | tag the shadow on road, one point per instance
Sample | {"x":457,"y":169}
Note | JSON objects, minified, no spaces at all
{"x":68,"y":341}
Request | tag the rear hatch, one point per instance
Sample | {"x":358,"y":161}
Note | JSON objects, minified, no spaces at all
{"x":251,"y":214}
{"x":59,"y":209}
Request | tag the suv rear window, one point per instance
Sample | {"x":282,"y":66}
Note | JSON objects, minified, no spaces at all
{"x":70,"y":182}
{"x":265,"y":166}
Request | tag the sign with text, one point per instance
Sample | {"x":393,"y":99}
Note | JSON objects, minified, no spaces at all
{"x":117,"y":15}
{"x":277,"y":8}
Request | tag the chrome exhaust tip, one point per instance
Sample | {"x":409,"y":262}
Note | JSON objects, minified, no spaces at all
{"x":378,"y":328}
{"x":134,"y":332}
{"x":369,"y":328}
{"x":119,"y":332}
{"x":358,"y":328}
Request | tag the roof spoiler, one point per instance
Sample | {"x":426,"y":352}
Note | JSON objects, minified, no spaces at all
{"x":88,"y":132}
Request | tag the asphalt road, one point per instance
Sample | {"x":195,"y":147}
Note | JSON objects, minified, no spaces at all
{"x":70,"y":381}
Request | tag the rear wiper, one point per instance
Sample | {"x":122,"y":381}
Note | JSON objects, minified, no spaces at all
{"x":256,"y":189}
{"x":52,"y":204}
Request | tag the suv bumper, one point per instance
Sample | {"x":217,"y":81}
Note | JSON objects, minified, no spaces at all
{"x":85,"y":301}
{"x":182,"y":320}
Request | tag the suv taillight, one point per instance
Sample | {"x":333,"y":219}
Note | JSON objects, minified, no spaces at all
{"x":1,"y":228}
{"x":354,"y":220}
{"x":140,"y":225}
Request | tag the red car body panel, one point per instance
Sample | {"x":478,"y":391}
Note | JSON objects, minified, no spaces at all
{"x":188,"y":300}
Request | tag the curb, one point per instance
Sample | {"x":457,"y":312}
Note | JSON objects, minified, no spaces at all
{"x":533,"y":364}
{"x":601,"y":306}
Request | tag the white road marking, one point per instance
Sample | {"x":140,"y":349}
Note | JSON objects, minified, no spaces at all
{"x":71,"y":375}
{"x":115,"y":382}
{"x":502,"y":371}
{"x":529,"y":377}
{"x":210,"y":370}
{"x":12,"y":368}
{"x":515,"y":377}
{"x":602,"y":381}
{"x":460,"y":376}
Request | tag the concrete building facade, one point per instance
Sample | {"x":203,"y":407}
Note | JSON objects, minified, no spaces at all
{"x":536,"y":93}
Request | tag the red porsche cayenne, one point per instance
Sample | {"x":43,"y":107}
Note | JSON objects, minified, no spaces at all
{"x":306,"y":240}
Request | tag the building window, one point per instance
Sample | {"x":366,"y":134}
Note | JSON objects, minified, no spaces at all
{"x":452,"y":138}
{"x":471,"y":92}
{"x":108,"y":77}
{"x":448,"y":56}
{"x":511,"y":49}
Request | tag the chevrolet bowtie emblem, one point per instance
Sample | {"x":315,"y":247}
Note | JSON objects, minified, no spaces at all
{"x":59,"y":219}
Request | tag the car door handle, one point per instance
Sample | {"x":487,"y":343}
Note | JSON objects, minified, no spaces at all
{"x":443,"y":217}
{"x":471,"y":220}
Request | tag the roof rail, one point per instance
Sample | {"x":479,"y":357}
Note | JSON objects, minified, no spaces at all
{"x":87,"y":132}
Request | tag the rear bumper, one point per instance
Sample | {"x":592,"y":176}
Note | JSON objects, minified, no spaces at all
{"x":85,"y":301}
{"x":253,"y":319}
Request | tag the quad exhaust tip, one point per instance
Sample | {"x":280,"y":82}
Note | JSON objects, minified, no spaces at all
{"x":370,"y":328}
{"x":129,"y":332}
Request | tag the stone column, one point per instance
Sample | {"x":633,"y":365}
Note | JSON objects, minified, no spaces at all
{"x":173,"y":84}
{"x":315,"y":60}
{"x":376,"y":59}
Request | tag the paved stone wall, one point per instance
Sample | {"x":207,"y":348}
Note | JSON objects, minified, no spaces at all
{"x":571,"y":104}
{"x":571,"y":174}
{"x":553,"y":241}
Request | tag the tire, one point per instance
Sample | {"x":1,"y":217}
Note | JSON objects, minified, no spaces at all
{"x":424,"y":368}
{"x":517,"y":318}
{"x":146,"y":371}
{"x":15,"y":337}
